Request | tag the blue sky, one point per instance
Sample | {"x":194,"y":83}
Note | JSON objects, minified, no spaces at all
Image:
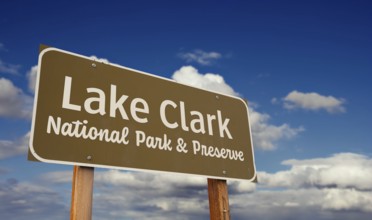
{"x":304,"y":66}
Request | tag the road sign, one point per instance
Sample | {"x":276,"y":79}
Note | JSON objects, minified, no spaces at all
{"x":91,"y":113}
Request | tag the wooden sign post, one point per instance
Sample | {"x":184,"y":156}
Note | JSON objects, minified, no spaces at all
{"x":218,"y":199}
{"x":82,"y":193}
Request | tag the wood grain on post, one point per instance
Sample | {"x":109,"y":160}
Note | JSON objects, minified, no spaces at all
{"x":218,"y":200}
{"x":82,"y":193}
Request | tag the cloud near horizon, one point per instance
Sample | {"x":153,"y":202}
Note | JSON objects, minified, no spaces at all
{"x":326,"y":186}
{"x":342,"y":170}
{"x":343,"y":181}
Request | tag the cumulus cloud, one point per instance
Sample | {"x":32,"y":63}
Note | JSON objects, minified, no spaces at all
{"x":314,"y":102}
{"x":343,"y":170}
{"x":9,"y":68}
{"x":201,"y":57}
{"x":238,"y":187}
{"x":265,"y":135}
{"x":31,"y":76}
{"x":13,"y":102}
{"x":313,"y":188}
{"x":10,"y":148}
{"x":347,"y":199}
{"x":190,"y":76}
{"x":310,"y":204}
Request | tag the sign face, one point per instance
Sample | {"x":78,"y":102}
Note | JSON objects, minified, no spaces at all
{"x":91,"y":113}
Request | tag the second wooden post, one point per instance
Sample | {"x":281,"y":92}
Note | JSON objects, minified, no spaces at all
{"x":218,"y":199}
{"x":82,"y":193}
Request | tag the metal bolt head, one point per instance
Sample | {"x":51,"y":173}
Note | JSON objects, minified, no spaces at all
{"x":217,"y":97}
{"x":224,"y":172}
{"x":89,"y":157}
{"x":94,"y":65}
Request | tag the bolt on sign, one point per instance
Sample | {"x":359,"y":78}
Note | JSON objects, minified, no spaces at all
{"x":91,"y":113}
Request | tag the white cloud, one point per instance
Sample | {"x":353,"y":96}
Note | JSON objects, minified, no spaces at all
{"x":308,"y":203}
{"x":343,"y":170}
{"x":314,"y":188}
{"x":200,"y":56}
{"x":190,"y":76}
{"x":241,"y":187}
{"x":13,"y":102}
{"x":10,"y":148}
{"x":31,"y":76}
{"x":313,"y":101}
{"x":9,"y":68}
{"x":347,"y":199}
{"x":264,"y":135}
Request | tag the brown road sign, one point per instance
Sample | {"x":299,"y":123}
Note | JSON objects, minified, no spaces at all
{"x":91,"y":113}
